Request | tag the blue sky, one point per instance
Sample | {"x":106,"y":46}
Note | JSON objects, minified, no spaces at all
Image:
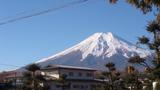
{"x":29,"y":40}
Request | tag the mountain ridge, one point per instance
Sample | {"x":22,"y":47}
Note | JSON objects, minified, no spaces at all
{"x":85,"y":41}
{"x":95,"y":51}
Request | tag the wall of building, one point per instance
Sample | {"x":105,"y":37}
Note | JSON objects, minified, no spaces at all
{"x":52,"y":73}
{"x":77,"y":74}
{"x":75,"y":85}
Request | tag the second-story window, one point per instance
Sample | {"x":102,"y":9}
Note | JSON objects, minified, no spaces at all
{"x":89,"y":74}
{"x":80,"y":74}
{"x":70,"y":73}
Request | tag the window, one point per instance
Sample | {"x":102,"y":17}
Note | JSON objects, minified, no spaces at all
{"x":89,"y":74}
{"x":76,"y":86}
{"x":86,"y":86}
{"x":70,"y":73}
{"x":80,"y":74}
{"x":79,"y":86}
{"x":19,"y":79}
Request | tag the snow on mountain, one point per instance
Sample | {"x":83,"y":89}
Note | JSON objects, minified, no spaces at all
{"x":95,"y":51}
{"x":103,"y":43}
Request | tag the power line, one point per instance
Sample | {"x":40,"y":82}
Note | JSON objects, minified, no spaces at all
{"x":65,"y":9}
{"x":9,"y":65}
{"x":54,"y":13}
{"x":46,"y":11}
{"x":31,"y":10}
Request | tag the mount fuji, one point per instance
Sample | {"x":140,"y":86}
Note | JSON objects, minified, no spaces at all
{"x":95,"y":51}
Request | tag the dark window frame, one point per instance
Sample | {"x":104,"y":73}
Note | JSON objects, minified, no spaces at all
{"x":71,"y":74}
{"x":80,"y":74}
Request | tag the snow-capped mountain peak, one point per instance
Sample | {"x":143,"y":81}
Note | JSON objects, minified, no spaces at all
{"x":103,"y":43}
{"x":95,"y":51}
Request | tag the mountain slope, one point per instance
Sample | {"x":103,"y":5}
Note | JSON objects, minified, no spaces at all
{"x":95,"y":51}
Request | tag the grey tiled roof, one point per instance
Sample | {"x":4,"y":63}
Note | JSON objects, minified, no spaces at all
{"x":15,"y":75}
{"x":66,"y":67}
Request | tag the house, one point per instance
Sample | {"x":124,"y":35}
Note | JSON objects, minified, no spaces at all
{"x":16,"y":78}
{"x":80,"y":78}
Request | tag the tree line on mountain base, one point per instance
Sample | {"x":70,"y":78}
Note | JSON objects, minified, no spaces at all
{"x":112,"y":80}
{"x":132,"y":80}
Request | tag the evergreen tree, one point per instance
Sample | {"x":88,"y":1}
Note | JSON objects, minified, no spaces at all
{"x":158,"y":86}
{"x":153,"y":71}
{"x":111,"y":75}
{"x":32,"y":80}
{"x":132,"y":78}
{"x":145,"y":5}
{"x":153,"y":27}
{"x":33,"y":68}
{"x":63,"y":82}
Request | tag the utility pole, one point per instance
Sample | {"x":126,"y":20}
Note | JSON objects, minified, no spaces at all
{"x":15,"y":80}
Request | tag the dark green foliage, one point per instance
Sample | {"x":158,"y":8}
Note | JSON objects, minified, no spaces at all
{"x":110,"y":66}
{"x":28,"y":77}
{"x":32,"y":67}
{"x":107,"y":86}
{"x":62,"y":80}
{"x":111,"y":75}
{"x":121,"y":86}
{"x":145,"y":5}
{"x":149,"y":85}
{"x":32,"y":79}
{"x":7,"y":86}
{"x":39,"y":78}
{"x":153,"y":27}
{"x":106,"y":73}
{"x":27,"y":74}
{"x":1,"y":87}
{"x":46,"y":87}
{"x":132,"y":78}
{"x":143,"y":40}
{"x":25,"y":87}
{"x":136,"y":60}
{"x":102,"y":77}
{"x":117,"y":74}
{"x":63,"y":76}
{"x":157,"y":86}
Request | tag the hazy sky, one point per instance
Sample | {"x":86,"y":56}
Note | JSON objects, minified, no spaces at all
{"x":29,"y":40}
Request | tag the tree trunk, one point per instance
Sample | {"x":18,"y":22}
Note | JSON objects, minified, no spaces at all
{"x":33,"y":76}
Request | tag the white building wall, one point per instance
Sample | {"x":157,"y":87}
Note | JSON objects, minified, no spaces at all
{"x":82,"y":85}
{"x":53,"y":85}
{"x":55,"y":74}
{"x":75,"y":85}
{"x":86,"y":85}
{"x":42,"y":73}
{"x":76,"y":72}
